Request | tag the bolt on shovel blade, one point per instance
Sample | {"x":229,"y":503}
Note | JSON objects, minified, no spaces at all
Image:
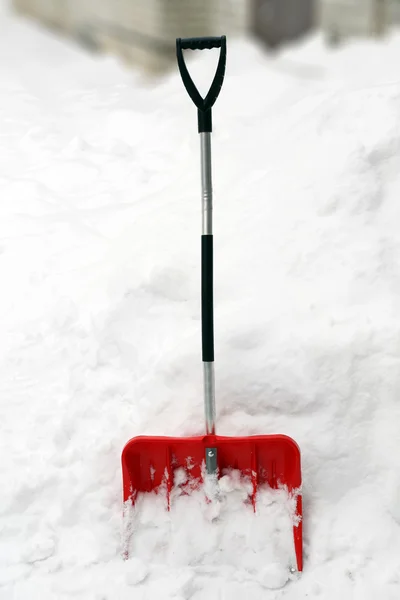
{"x":149,"y":462}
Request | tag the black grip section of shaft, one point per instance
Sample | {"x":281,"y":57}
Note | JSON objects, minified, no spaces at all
{"x":201,"y":43}
{"x":204,"y":120}
{"x":207,"y":298}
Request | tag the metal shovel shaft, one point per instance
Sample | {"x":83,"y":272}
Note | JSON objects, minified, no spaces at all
{"x":207,"y":284}
{"x":204,"y":121}
{"x":206,"y":182}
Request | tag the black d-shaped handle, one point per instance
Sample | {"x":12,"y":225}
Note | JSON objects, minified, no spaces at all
{"x":203,"y":104}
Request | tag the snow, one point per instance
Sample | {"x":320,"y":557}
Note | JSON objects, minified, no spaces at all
{"x":227,"y":538}
{"x":100,"y":322}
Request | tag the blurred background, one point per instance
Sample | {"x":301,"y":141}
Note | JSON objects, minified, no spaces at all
{"x":143,"y":32}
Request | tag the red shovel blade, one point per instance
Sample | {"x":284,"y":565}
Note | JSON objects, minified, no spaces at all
{"x":148,"y":462}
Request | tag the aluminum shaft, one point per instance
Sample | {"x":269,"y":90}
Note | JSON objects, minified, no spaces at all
{"x":206,"y":182}
{"x":207,"y":230}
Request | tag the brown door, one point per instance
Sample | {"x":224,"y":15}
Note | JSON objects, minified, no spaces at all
{"x":277,"y":21}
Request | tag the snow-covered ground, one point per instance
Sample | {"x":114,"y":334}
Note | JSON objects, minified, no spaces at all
{"x":100,"y":322}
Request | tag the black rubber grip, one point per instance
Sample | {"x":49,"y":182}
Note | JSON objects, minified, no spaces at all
{"x":200,"y":43}
{"x":207,"y":298}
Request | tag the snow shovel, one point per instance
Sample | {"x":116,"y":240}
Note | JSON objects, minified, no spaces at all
{"x":149,"y":462}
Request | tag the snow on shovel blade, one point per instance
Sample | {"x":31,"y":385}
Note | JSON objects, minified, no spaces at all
{"x":148,"y":463}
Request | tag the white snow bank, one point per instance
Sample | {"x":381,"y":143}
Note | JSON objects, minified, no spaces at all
{"x":99,"y":306}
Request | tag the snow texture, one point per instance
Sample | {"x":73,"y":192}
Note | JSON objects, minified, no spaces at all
{"x":100,"y":317}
